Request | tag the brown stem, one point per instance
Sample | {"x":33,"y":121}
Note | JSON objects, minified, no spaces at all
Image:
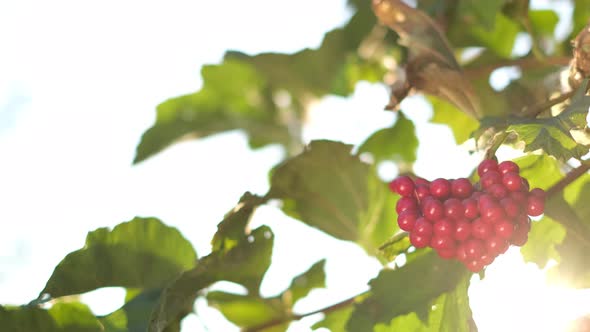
{"x":568,"y":179}
{"x":523,"y":63}
{"x":496,"y":143}
{"x":536,"y":109}
{"x":294,"y":317}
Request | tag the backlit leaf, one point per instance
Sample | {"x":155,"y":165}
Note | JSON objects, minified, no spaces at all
{"x":411,"y":288}
{"x":141,"y":253}
{"x":461,"y":124}
{"x":61,"y":317}
{"x":397,"y":143}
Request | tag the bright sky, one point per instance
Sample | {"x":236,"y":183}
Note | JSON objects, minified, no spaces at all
{"x":79,"y":84}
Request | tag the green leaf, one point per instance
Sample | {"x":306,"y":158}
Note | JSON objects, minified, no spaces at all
{"x":461,"y":124}
{"x":552,"y":134}
{"x":581,"y":15}
{"x":234,"y":96}
{"x":576,"y":194}
{"x":397,"y":143}
{"x":313,"y":72}
{"x":431,"y":66}
{"x":449,"y":313}
{"x":248,"y":311}
{"x":499,"y":40}
{"x":543,"y":238}
{"x":358,"y":69}
{"x":314,"y":277}
{"x":541,"y":171}
{"x":543,"y":21}
{"x":245,"y":264}
{"x":61,"y":317}
{"x":481,"y":12}
{"x":411,"y":288}
{"x":397,"y":245}
{"x":233,"y":227}
{"x":141,"y":253}
{"x":134,"y":316}
{"x":328,"y":188}
{"x":335,"y":321}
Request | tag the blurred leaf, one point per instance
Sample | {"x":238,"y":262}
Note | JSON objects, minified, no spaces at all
{"x":335,"y":321}
{"x":134,"y":316}
{"x":141,"y":253}
{"x":248,"y":311}
{"x":431,"y":67}
{"x":581,"y":16}
{"x":449,"y":313}
{"x":245,"y":264}
{"x":397,"y":245}
{"x":233,"y":96}
{"x":500,"y":39}
{"x":541,"y":171}
{"x":480,"y":12}
{"x":576,"y":194}
{"x":328,"y":188}
{"x":391,"y":295}
{"x":543,"y":237}
{"x":357,"y":69}
{"x":314,"y":277}
{"x":312,"y":72}
{"x":252,"y":311}
{"x":543,"y":21}
{"x":233,"y":227}
{"x":397,"y":143}
{"x":551,"y":134}
{"x":460,"y":124}
{"x":61,"y":317}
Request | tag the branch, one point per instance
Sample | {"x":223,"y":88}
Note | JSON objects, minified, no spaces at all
{"x":523,"y":63}
{"x":568,"y":179}
{"x":536,"y":109}
{"x":294,"y":317}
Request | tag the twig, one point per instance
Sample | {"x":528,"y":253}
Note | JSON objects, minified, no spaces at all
{"x":536,"y":109}
{"x":523,"y":63}
{"x":294,"y":317}
{"x":568,"y":179}
{"x":496,"y":143}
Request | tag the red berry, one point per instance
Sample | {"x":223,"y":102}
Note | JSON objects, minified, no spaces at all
{"x":481,"y":230}
{"x":461,"y":188}
{"x":446,"y":253}
{"x":461,"y":254}
{"x":504,"y":229}
{"x":511,"y":208}
{"x":419,"y":241}
{"x":470,"y":209}
{"x":519,"y":197}
{"x":422,"y":182}
{"x":422,"y":228}
{"x":507,"y":167}
{"x":539,"y":193}
{"x":486,"y":166}
{"x":535,"y":206}
{"x":487,"y":259}
{"x":405,"y":204}
{"x":442,"y":242}
{"x":433,"y":210}
{"x":485,"y":200}
{"x":496,"y":245}
{"x":454,"y":208}
{"x":406,"y":220}
{"x":440,"y":188}
{"x":490,"y":178}
{"x":512,"y":181}
{"x":403,"y":185}
{"x":474,"y":265}
{"x":491,"y":213}
{"x":462,"y":230}
{"x":422,"y":192}
{"x":525,"y":185}
{"x":498,"y":191}
{"x":519,"y":237}
{"x":443,"y":227}
{"x":474,"y":248}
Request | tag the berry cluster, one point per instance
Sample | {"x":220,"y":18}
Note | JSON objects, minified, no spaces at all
{"x":472,"y":223}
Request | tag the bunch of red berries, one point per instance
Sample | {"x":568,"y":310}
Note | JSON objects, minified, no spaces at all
{"x":472,"y":223}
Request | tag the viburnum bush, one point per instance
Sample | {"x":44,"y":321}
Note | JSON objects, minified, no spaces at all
{"x":443,"y":53}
